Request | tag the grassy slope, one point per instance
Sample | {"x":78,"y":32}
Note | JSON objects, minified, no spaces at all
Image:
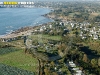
{"x":21,"y":60}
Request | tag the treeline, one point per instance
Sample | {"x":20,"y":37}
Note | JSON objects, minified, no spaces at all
{"x":71,"y":48}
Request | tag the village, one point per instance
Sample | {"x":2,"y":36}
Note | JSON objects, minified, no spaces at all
{"x":85,"y":30}
{"x":46,"y":39}
{"x":67,"y":46}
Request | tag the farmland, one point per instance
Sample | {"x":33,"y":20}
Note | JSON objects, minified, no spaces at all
{"x":8,"y":70}
{"x":20,"y":60}
{"x":7,"y":50}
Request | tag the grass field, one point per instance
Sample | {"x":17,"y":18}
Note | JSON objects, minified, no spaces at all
{"x":42,"y":36}
{"x":9,"y":70}
{"x":8,"y":50}
{"x":20,"y":60}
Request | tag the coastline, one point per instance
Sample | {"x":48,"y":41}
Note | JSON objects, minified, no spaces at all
{"x":24,"y":31}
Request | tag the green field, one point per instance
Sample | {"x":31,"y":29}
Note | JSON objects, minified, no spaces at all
{"x":9,"y":70}
{"x":20,"y":60}
{"x":8,"y":50}
{"x":42,"y":36}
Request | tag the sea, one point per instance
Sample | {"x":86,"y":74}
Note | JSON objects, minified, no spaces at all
{"x":12,"y":19}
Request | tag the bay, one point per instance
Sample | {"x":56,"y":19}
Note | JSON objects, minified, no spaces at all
{"x":15,"y":18}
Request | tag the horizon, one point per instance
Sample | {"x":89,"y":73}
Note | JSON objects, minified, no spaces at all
{"x":50,"y":0}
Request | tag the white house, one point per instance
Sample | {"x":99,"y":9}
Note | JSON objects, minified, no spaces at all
{"x":91,"y":31}
{"x":71,"y":64}
{"x":78,"y":72}
{"x":95,"y":37}
{"x":41,"y":29}
{"x":75,"y":69}
{"x":50,"y":26}
{"x":83,"y":37}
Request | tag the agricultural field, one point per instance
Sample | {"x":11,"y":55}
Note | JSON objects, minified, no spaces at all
{"x":8,"y":70}
{"x":18,"y":59}
{"x":8,"y":50}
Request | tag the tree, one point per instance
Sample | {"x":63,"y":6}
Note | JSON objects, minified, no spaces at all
{"x":98,"y":61}
{"x":54,"y":73}
{"x":47,"y":72}
{"x":63,"y":49}
{"x":85,"y":58}
{"x":94,"y":62}
{"x":52,"y":63}
{"x":97,"y":19}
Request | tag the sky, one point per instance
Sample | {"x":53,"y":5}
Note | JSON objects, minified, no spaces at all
{"x":49,"y":0}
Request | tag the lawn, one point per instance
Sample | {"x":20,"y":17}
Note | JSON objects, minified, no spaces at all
{"x":20,"y":60}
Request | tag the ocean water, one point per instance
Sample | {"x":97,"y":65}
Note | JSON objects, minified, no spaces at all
{"x":15,"y":18}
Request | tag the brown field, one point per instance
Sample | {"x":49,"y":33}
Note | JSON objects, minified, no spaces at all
{"x":94,"y":14}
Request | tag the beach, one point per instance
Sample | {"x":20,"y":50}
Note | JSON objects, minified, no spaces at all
{"x":24,"y":31}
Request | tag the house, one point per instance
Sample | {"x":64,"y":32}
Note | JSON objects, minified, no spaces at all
{"x":95,"y":32}
{"x":61,"y":23}
{"x":55,"y":68}
{"x":93,"y":28}
{"x":41,"y":29}
{"x":75,"y":69}
{"x":71,"y":64}
{"x":90,"y":35}
{"x":78,"y":72}
{"x":84,"y":37}
{"x":65,"y":31}
{"x":81,"y":33}
{"x":3,"y":40}
{"x":50,"y":26}
{"x":80,"y":27}
{"x":91,"y":31}
{"x":35,"y":30}
{"x":72,"y":25}
{"x":95,"y":37}
{"x":85,"y":28}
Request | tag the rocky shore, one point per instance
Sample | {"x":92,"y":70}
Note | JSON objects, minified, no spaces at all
{"x":27,"y":30}
{"x":23,"y":31}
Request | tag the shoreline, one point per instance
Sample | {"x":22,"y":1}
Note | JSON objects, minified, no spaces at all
{"x":23,"y":31}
